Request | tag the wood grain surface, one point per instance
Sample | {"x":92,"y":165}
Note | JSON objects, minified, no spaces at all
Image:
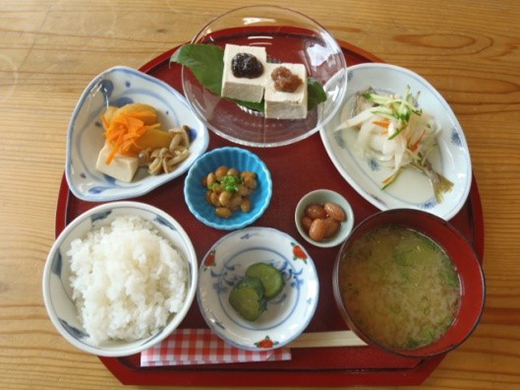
{"x":50,"y":49}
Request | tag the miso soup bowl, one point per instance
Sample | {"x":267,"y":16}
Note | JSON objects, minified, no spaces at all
{"x":464,"y":258}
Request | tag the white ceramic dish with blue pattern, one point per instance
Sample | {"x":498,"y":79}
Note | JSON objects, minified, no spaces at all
{"x":118,"y":86}
{"x":412,"y":189}
{"x":286,"y":316}
{"x":57,"y":291}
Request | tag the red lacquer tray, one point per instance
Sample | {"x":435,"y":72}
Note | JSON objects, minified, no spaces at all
{"x":296,"y":169}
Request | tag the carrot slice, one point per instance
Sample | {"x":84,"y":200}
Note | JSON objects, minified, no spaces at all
{"x":384,"y":124}
{"x":416,"y":145}
{"x":125,"y":128}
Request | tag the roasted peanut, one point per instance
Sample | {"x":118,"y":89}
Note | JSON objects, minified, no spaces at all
{"x":317,"y":229}
{"x":314,"y":211}
{"x":223,"y":212}
{"x":208,"y":196}
{"x":331,"y":227}
{"x":306,"y":223}
{"x":334,"y":211}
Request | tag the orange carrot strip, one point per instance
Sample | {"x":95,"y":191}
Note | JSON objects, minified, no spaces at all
{"x":415,"y":146}
{"x":384,"y":124}
{"x":124,"y":130}
{"x":104,"y":122}
{"x":115,"y":149}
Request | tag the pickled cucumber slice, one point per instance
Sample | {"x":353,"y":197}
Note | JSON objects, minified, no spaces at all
{"x":272,"y":278}
{"x":247,"y":298}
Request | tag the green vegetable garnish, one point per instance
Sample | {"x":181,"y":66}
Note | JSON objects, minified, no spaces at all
{"x":400,"y":109}
{"x":231,"y":182}
{"x":412,"y":343}
{"x":207,"y":64}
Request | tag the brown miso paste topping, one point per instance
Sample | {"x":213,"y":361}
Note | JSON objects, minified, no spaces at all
{"x":285,"y":80}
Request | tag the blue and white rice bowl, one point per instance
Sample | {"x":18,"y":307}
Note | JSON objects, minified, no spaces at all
{"x":119,"y":86}
{"x":57,"y":290}
{"x":287,"y":315}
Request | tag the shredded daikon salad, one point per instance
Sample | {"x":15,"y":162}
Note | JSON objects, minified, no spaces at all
{"x":394,"y":131}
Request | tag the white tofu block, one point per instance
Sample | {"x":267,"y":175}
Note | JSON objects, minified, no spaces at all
{"x":121,"y":168}
{"x":242,"y":88}
{"x":286,"y":105}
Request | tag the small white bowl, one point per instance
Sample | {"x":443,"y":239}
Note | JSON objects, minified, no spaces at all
{"x":118,"y":86}
{"x":57,"y":291}
{"x":321,"y":197}
{"x":287,"y":315}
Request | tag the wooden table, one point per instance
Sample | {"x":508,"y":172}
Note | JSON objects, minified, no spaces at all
{"x":50,"y":49}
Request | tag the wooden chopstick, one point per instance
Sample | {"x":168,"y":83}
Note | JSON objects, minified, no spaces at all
{"x":343,"y":338}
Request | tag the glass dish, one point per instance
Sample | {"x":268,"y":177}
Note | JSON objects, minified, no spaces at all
{"x":288,"y":36}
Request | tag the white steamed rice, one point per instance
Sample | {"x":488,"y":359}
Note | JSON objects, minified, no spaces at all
{"x":126,"y":280}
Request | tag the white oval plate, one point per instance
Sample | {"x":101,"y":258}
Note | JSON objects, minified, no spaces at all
{"x":286,"y":316}
{"x":412,"y":189}
{"x":118,"y":86}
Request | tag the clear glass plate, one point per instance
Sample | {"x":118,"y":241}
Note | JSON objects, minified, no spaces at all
{"x":288,"y":36}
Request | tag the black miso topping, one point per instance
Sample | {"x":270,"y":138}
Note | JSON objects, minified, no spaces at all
{"x":246,"y":65}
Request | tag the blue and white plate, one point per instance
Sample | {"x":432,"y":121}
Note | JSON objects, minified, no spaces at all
{"x":286,"y":316}
{"x":119,"y":86}
{"x":412,"y":189}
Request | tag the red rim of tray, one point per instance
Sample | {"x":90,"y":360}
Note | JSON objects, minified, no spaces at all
{"x":309,"y":367}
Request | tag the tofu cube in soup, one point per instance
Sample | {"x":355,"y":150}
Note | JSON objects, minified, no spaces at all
{"x":249,"y":86}
{"x":280,"y":104}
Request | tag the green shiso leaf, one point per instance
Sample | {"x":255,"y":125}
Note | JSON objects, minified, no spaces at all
{"x":316,"y":94}
{"x":207,"y":64}
{"x":205,"y":61}
{"x":259,"y":106}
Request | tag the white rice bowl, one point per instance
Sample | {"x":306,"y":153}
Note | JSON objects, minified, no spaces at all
{"x":126,"y":280}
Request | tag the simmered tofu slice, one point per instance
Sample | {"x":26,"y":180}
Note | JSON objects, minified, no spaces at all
{"x":121,"y":168}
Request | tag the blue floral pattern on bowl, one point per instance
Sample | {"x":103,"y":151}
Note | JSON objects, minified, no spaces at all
{"x":57,"y":291}
{"x":119,"y":86}
{"x":286,"y":316}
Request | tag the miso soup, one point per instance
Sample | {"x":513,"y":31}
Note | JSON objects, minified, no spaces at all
{"x":400,"y":287}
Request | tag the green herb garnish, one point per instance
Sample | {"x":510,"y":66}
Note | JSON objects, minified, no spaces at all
{"x":412,"y":343}
{"x":231,"y":182}
{"x":207,"y":64}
